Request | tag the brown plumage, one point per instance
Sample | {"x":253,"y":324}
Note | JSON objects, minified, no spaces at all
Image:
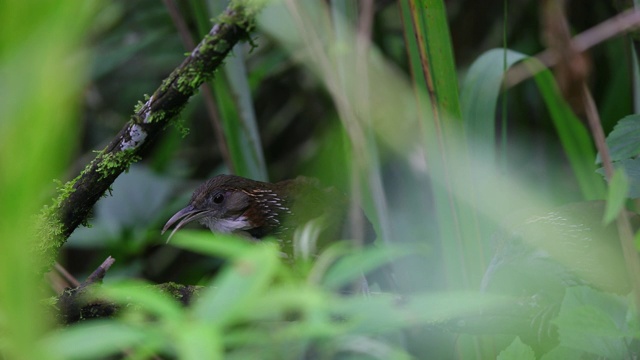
{"x":233,"y":204}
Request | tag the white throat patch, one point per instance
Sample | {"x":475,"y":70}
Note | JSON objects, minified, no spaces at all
{"x":226,"y":225}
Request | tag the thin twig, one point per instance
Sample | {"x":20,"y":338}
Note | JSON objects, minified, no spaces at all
{"x":98,"y":274}
{"x":66,"y":275}
{"x":615,"y":26}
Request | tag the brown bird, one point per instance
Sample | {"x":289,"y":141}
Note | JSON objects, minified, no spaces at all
{"x":539,"y":257}
{"x":233,"y":204}
{"x":256,"y":209}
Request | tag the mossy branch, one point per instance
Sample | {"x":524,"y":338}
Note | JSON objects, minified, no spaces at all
{"x":76,"y":198}
{"x":78,"y":304}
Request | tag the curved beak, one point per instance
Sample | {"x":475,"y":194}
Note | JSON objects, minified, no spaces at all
{"x":183,"y":217}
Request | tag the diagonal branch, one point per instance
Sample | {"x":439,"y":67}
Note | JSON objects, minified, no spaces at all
{"x":77,"y":197}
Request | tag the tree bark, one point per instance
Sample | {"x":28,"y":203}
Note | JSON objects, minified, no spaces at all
{"x":77,"y":197}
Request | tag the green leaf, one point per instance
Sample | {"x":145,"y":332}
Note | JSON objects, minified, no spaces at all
{"x":434,"y":30}
{"x":563,"y":353}
{"x":517,"y":351}
{"x":575,"y":138}
{"x":232,"y":94}
{"x":631,"y":168}
{"x":636,"y":240}
{"x":349,"y":268}
{"x":144,"y":295}
{"x":421,"y":309}
{"x":198,"y":340}
{"x":594,"y":322}
{"x":618,"y":190}
{"x":217,"y":245}
{"x":95,"y":339}
{"x":239,"y":286}
{"x":624,"y":140}
{"x":481,"y":91}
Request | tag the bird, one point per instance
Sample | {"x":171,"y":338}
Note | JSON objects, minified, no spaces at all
{"x":539,"y":257}
{"x":566,"y":246}
{"x":257,"y":209}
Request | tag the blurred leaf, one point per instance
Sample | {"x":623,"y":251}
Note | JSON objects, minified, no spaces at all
{"x":43,"y":73}
{"x":217,"y":245}
{"x":252,"y":164}
{"x":631,"y":169}
{"x":563,"y":353}
{"x":279,"y":301}
{"x":150,"y":299}
{"x":137,"y":201}
{"x":624,"y":140}
{"x":594,"y":322}
{"x":234,"y":98}
{"x":480,"y":93}
{"x":95,"y":339}
{"x":198,"y":340}
{"x":618,"y":189}
{"x":364,"y":347}
{"x":517,"y":351}
{"x":574,"y":137}
{"x":362,"y":261}
{"x":436,"y":87}
{"x":238,"y":286}
{"x":138,"y":198}
{"x":392,"y":312}
{"x":246,"y":161}
{"x":119,"y":53}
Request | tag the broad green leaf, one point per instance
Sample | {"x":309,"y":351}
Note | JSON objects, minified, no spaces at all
{"x":594,"y":322}
{"x":563,"y":353}
{"x":280,"y":301}
{"x":517,"y":351}
{"x":144,"y":295}
{"x":198,"y":340}
{"x":618,"y":189}
{"x":44,"y":55}
{"x":204,"y":242}
{"x":480,"y":94}
{"x":433,"y":308}
{"x":362,"y":261}
{"x":624,"y":140}
{"x":574,"y":137}
{"x":239,"y":286}
{"x":95,"y":340}
{"x":432,"y":26}
{"x":631,"y":168}
{"x":436,"y":88}
{"x":481,"y":91}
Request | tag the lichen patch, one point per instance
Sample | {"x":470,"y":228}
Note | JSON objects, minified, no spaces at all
{"x":136,"y":137}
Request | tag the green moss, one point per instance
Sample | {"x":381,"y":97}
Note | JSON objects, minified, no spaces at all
{"x":180,"y":124}
{"x":49,"y":227}
{"x":165,"y":84}
{"x":176,"y":291}
{"x":111,"y":163}
{"x":242,"y":14}
{"x":157,"y":116}
{"x":191,"y":77}
{"x":138,"y":106}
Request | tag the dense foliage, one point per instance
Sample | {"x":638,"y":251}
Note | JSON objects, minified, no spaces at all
{"x":461,"y":146}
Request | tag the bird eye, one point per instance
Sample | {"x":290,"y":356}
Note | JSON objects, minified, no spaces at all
{"x":218,"y":199}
